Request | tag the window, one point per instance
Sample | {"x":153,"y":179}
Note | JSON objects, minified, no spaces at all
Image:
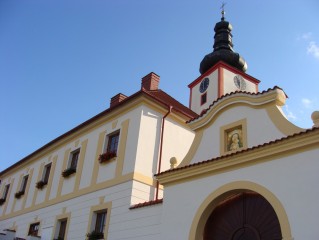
{"x":4,"y":194}
{"x":6,"y":191}
{"x":110,"y":148}
{"x":62,"y":228}
{"x":24,"y":183}
{"x":203,"y":98}
{"x":45,"y":176}
{"x":74,"y":158}
{"x":112,"y":143}
{"x":100,"y":221}
{"x":34,"y":229}
{"x":73,"y":162}
{"x":46,"y":173}
{"x":23,"y":186}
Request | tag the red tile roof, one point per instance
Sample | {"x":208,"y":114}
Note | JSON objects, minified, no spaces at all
{"x":314,"y":129}
{"x":230,"y":94}
{"x":168,"y":100}
{"x":145,"y":204}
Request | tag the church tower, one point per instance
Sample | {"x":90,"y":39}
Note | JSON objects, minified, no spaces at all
{"x":222,"y":71}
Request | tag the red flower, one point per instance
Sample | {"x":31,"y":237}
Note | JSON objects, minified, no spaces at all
{"x":106,"y":156}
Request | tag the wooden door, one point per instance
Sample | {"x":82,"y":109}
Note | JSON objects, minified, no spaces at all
{"x":243,"y":216}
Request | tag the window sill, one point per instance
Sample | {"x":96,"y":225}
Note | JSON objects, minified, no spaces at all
{"x":68,"y":172}
{"x":95,"y":236}
{"x":18,"y":195}
{"x":107,"y":161}
{"x":107,"y":157}
{"x":41,"y":184}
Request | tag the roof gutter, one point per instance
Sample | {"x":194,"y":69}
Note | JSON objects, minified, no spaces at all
{"x":161,"y":149}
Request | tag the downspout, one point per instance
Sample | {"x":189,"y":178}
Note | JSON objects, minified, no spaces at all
{"x":161,"y":149}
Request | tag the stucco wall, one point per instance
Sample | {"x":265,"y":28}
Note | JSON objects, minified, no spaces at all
{"x":176,"y":142}
{"x":212,"y":93}
{"x":256,"y":119}
{"x":292,"y":179}
{"x":229,"y":85}
{"x":124,"y":223}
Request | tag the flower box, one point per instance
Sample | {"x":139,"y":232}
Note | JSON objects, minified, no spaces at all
{"x":19,"y":194}
{"x":41,"y":184}
{"x":94,"y":235}
{"x":105,"y":157}
{"x":68,"y":172}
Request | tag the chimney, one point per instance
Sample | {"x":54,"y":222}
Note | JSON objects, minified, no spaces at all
{"x":150,"y":81}
{"x":117,"y":99}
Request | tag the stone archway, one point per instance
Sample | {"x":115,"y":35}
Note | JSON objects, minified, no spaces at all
{"x":243,"y":216}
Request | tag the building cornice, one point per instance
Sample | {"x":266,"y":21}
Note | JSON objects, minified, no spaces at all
{"x":274,"y":96}
{"x":226,"y":66}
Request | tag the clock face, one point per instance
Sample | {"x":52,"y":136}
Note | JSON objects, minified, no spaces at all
{"x":204,"y":85}
{"x":239,"y":82}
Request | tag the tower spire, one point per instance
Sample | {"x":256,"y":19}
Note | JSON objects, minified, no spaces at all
{"x":223,"y":48}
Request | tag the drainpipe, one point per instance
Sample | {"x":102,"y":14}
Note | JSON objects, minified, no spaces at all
{"x":161,"y":149}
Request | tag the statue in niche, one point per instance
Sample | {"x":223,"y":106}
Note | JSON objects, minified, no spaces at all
{"x":234,"y":140}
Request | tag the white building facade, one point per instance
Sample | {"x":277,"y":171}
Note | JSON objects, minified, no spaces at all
{"x":231,"y":166}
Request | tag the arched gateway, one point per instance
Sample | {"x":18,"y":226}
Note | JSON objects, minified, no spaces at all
{"x":243,"y":216}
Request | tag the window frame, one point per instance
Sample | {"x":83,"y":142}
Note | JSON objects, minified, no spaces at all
{"x":24,"y":183}
{"x":57,"y":225}
{"x":100,"y":220}
{"x":74,"y":159}
{"x":45,"y":176}
{"x":5,"y":192}
{"x":203,"y":98}
{"x":23,"y":187}
{"x":46,"y":173}
{"x":31,"y":232}
{"x":110,"y":145}
{"x":61,"y":234}
{"x":101,"y":207}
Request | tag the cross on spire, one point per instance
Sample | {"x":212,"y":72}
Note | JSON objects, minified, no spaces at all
{"x":223,"y":10}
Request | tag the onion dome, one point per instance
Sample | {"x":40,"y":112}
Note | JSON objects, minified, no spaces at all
{"x":223,"y":49}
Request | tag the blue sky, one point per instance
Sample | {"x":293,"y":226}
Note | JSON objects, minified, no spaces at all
{"x":61,"y":61}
